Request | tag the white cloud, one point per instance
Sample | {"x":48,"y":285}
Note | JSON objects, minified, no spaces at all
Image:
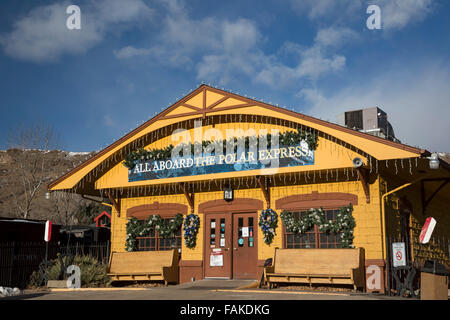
{"x":215,"y":48}
{"x":314,"y":61}
{"x":221,"y":49}
{"x":119,"y":11}
{"x":242,"y":54}
{"x":131,"y":52}
{"x":416,"y":101}
{"x":318,"y":9}
{"x":179,"y":38}
{"x":42,"y":36}
{"x":239,"y":52}
{"x":395,"y":14}
{"x":241,"y":35}
{"x":334,"y":36}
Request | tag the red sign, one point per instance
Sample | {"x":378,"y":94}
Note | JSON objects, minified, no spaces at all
{"x":48,"y":231}
{"x":427,"y":230}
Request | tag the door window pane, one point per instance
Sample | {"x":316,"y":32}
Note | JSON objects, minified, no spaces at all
{"x":250,"y":232}
{"x":240,"y":226}
{"x":212,"y":240}
{"x":222,"y":232}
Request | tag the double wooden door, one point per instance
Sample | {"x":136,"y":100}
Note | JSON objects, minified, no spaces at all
{"x":231,"y":245}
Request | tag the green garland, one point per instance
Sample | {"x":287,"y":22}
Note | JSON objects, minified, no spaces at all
{"x":137,"y":228}
{"x":287,"y":138}
{"x":344,"y":223}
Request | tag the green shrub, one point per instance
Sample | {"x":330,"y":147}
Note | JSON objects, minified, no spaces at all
{"x":93,"y":273}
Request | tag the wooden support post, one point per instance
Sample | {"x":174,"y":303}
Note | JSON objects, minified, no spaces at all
{"x":189,"y":196}
{"x":363,"y":175}
{"x":264,"y":184}
{"x":115,"y":203}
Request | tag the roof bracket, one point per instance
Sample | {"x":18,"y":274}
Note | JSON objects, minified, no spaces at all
{"x":264,"y":184}
{"x":189,"y":196}
{"x":363,"y":175}
{"x":115,"y":203}
{"x":426,"y":202}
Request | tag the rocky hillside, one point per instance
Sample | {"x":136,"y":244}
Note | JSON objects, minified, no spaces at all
{"x":17,"y":167}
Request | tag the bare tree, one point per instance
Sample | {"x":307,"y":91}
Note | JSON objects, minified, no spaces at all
{"x":64,"y":207}
{"x":30,"y":145}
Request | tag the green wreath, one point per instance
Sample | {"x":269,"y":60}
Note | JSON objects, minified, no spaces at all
{"x":139,"y":228}
{"x":268,"y":222}
{"x":190,"y":226}
{"x":344,"y":223}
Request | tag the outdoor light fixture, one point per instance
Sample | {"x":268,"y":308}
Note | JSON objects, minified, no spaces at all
{"x":434,"y":161}
{"x":47,"y":195}
{"x":228,"y":194}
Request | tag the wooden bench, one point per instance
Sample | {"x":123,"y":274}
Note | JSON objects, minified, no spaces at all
{"x":144,"y":265}
{"x":327,"y":266}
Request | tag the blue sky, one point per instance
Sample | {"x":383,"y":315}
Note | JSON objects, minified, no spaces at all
{"x":133,"y":58}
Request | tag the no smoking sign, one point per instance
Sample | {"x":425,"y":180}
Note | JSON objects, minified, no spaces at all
{"x":398,"y":248}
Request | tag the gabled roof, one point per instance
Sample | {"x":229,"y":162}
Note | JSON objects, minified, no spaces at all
{"x":104,"y":213}
{"x":206,"y":100}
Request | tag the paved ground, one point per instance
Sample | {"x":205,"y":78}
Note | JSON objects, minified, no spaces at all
{"x":199,"y":290}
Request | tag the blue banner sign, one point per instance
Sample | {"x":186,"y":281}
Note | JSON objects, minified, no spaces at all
{"x":291,"y":156}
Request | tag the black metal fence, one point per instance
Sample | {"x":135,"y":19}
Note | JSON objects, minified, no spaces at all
{"x":403,"y":279}
{"x":18,"y":260}
{"x":98,"y":250}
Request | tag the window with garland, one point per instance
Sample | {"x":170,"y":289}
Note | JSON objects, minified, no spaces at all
{"x":153,"y":242}
{"x":312,"y":238}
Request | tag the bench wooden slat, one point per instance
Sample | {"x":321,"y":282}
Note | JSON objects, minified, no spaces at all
{"x":135,"y":274}
{"x":152,"y":265}
{"x":308,"y":275}
{"x":335,"y":266}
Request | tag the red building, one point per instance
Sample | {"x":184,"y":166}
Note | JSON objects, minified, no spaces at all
{"x":103,"y":220}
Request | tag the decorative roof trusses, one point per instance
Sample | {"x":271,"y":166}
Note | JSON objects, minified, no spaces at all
{"x":218,"y":106}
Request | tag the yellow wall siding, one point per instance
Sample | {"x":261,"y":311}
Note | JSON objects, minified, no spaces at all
{"x":367,"y":232}
{"x":118,"y":224}
{"x":328,"y":155}
{"x":118,"y":229}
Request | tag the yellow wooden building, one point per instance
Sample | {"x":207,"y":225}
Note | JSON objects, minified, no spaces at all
{"x":345,"y":167}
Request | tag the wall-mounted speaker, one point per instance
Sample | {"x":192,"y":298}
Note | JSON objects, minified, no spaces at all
{"x":357,"y":162}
